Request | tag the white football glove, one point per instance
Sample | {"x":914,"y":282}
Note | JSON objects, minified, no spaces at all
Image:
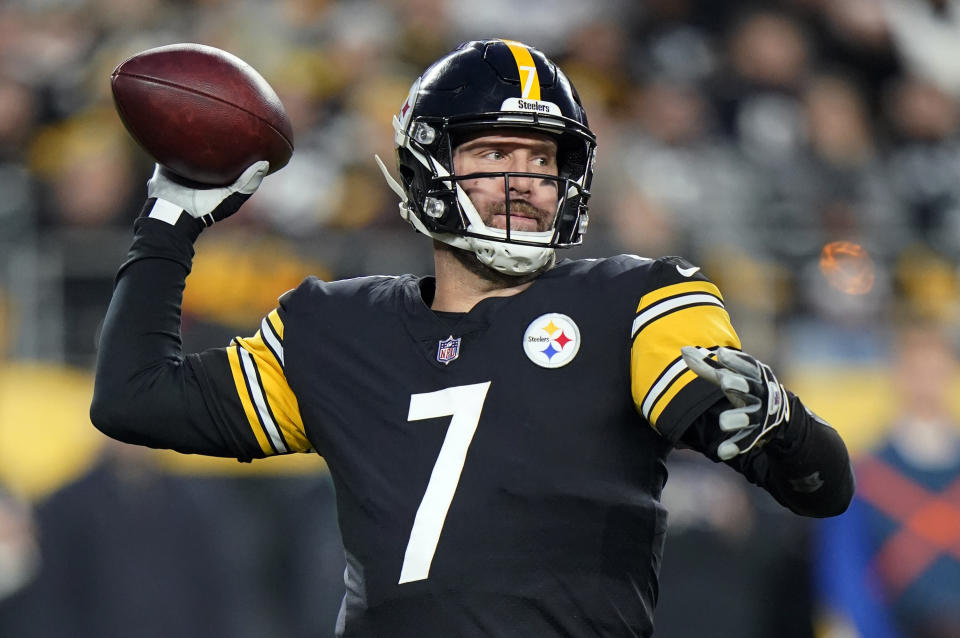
{"x":207,"y":204}
{"x":760,"y":401}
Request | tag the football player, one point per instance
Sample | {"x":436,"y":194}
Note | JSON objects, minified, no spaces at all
{"x":496,"y":432}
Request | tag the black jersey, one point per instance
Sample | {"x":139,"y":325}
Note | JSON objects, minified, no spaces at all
{"x":498,"y":473}
{"x":498,"y":467}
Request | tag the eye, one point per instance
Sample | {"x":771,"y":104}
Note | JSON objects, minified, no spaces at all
{"x":493,"y":155}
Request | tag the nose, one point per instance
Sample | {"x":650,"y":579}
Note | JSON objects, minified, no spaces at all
{"x":520,"y":184}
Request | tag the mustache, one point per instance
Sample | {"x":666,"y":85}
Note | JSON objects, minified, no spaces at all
{"x":520,"y":207}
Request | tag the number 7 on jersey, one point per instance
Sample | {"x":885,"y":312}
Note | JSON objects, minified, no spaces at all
{"x":464,"y":403}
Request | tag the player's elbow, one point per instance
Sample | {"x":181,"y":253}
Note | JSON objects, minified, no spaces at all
{"x":843,"y":495}
{"x":835,"y":506}
{"x":832,"y":499}
{"x":122,"y":411}
{"x":112,"y":414}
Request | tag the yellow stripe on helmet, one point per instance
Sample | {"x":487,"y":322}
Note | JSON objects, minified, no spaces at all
{"x":529,"y":80}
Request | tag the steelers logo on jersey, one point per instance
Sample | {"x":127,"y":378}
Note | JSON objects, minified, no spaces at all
{"x":551,"y":340}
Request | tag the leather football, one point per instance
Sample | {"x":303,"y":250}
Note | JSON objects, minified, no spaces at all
{"x":201,"y":112}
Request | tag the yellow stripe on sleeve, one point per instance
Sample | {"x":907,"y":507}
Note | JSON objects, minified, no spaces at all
{"x":282,"y":402}
{"x":248,"y":408}
{"x":677,"y":289}
{"x":529,"y":80}
{"x":657,"y":372}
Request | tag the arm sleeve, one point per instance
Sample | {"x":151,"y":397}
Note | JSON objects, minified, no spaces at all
{"x":231,"y":402}
{"x":805,"y":466}
{"x":683,"y":310}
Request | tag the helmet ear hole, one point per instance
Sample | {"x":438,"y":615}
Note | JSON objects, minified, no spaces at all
{"x":444,"y":153}
{"x":570,"y":158}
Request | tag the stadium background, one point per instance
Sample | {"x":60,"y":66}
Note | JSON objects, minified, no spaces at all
{"x":804,"y":152}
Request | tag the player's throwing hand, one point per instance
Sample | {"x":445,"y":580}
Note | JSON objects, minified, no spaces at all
{"x":760,"y":401}
{"x":208,"y":204}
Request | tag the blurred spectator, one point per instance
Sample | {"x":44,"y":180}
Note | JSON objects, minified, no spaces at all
{"x":674,"y":158}
{"x":596,"y":60}
{"x":17,"y":117}
{"x":248,"y":269}
{"x":928,"y":284}
{"x":87,"y":166}
{"x":129,"y":550}
{"x":843,"y":181}
{"x":307,"y":193}
{"x":549,"y":23}
{"x":836,"y":191}
{"x":424,"y":30}
{"x":18,"y":112}
{"x":769,"y":59}
{"x":853,"y":38}
{"x":890,"y":566}
{"x":926,"y":35}
{"x":19,"y":556}
{"x":922,"y":167}
{"x":125,"y":552}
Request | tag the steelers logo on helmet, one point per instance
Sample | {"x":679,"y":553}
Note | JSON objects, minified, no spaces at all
{"x":489,"y":86}
{"x":551,"y":340}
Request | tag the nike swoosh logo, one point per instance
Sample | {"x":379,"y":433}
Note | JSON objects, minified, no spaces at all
{"x":687,"y":272}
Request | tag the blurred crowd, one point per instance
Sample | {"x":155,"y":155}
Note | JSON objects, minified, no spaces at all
{"x":762,"y":140}
{"x":806,"y":153}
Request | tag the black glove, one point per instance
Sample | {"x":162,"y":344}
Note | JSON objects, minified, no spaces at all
{"x":760,"y":401}
{"x":206,"y":204}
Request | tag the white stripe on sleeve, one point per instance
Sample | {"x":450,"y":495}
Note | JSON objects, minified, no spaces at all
{"x":259,"y":400}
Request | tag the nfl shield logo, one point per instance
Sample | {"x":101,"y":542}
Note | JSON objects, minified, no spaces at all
{"x":448,"y":350}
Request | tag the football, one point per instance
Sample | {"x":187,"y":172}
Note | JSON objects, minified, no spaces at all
{"x":201,"y":112}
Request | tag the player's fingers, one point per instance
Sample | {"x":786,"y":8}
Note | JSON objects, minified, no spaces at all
{"x":250,"y":179}
{"x":734,"y":420}
{"x":157,"y":182}
{"x":727,"y":450}
{"x":736,"y":444}
{"x":746,"y":391}
{"x":697,"y":359}
{"x":733,"y":382}
{"x":738,"y":362}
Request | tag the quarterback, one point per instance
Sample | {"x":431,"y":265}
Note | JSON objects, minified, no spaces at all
{"x":497,"y":432}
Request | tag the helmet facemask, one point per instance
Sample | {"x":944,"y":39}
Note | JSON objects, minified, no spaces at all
{"x":436,"y":203}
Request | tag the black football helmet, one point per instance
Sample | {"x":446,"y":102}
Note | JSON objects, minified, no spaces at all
{"x":487,"y":85}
